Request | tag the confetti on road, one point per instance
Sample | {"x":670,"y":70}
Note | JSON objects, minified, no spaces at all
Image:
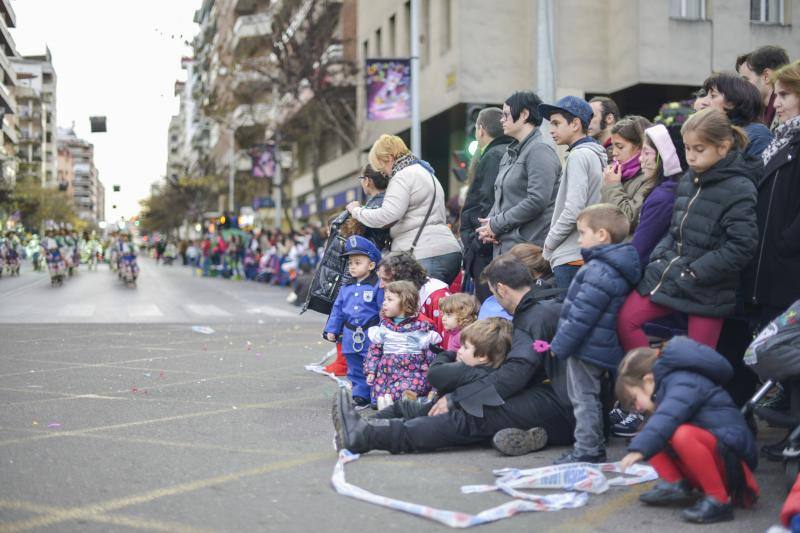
{"x":54,"y":425}
{"x":205,"y":330}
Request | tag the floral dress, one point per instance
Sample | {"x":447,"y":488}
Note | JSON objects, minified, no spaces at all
{"x":399,"y":356}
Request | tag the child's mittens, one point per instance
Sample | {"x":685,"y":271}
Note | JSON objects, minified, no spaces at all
{"x":370,"y":379}
{"x":330,"y":336}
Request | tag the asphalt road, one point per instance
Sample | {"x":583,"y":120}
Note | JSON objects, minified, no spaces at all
{"x":116,"y":416}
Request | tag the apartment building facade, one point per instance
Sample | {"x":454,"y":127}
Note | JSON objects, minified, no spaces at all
{"x":640,"y":52}
{"x":88,"y":194}
{"x":36,"y":110}
{"x":8,"y":105}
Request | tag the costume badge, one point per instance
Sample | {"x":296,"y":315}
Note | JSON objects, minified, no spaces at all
{"x":367,"y":296}
{"x":353,"y":241}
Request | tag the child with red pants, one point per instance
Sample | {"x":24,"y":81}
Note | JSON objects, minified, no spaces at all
{"x":713,"y":236}
{"x":695,"y":436}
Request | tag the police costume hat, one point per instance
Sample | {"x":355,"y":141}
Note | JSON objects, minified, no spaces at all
{"x":358,"y":245}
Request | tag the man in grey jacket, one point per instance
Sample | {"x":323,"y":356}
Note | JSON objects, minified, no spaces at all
{"x":580,"y":185}
{"x":527,"y":183}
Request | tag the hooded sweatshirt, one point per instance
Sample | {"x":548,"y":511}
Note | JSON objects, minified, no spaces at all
{"x":581,"y":182}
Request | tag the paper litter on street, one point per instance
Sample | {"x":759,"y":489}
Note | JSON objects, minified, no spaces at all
{"x":319,"y":368}
{"x":509,"y":481}
{"x":205,"y":330}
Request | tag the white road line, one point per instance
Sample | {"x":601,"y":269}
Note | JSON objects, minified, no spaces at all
{"x":271,"y":311}
{"x":144,"y":310}
{"x":77,"y":310}
{"x":206,"y":310}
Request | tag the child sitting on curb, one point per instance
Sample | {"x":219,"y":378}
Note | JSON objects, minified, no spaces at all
{"x":400,"y":355}
{"x":458,"y":311}
{"x":485,"y":346}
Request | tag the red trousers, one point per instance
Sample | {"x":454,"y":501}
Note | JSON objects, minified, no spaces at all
{"x":638,"y":309}
{"x":698,"y":461}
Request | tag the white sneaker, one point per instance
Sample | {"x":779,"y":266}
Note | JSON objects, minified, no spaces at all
{"x":384,"y":401}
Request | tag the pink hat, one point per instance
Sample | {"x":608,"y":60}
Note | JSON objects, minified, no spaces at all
{"x":659,"y":135}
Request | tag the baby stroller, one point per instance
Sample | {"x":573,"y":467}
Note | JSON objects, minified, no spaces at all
{"x":775,"y":356}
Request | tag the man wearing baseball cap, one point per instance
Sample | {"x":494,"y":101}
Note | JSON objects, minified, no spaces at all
{"x":355,"y":310}
{"x":580,"y":184}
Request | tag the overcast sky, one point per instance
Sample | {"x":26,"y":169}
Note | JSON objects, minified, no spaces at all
{"x":118,"y":59}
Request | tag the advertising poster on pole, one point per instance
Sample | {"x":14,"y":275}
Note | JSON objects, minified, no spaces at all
{"x":263,"y":156}
{"x":388,"y":89}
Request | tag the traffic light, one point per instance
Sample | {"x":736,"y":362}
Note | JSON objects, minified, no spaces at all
{"x":460,"y":165}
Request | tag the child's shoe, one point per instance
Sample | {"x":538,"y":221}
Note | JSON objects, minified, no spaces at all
{"x":707,"y":511}
{"x":361,"y":403}
{"x":572,"y":457}
{"x":666,"y":493}
{"x":385,"y":401}
{"x":627,"y":424}
{"x":513,"y":441}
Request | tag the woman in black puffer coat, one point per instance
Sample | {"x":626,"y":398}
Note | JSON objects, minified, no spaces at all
{"x":712,"y":237}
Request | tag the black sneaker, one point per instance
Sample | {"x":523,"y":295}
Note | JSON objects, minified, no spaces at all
{"x":572,"y":457}
{"x":774,"y":452}
{"x":629,"y":425}
{"x":616,"y":415}
{"x":361,"y":403}
{"x":665,"y":493}
{"x":707,"y":511}
{"x":513,"y":441}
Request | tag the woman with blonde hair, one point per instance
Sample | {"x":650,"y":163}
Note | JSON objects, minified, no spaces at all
{"x":413,"y":209}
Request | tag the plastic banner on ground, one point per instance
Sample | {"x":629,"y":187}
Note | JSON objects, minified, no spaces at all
{"x":562,"y":476}
{"x":319,"y":368}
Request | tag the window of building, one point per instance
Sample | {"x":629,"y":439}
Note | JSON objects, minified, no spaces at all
{"x":446,"y":19}
{"x":393,"y":35}
{"x":687,"y":9}
{"x":767,"y":11}
{"x":378,"y":43}
{"x":365,"y":48}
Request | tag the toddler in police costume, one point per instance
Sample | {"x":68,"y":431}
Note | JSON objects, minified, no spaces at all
{"x":355,"y":310}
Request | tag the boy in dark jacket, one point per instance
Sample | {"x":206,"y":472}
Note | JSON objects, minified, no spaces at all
{"x":484,"y":345}
{"x":586,"y":334}
{"x":695,"y":436}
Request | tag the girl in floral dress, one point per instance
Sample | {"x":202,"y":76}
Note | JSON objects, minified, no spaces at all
{"x":399,"y":354}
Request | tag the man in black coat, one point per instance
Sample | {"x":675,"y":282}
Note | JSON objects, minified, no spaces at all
{"x":492,"y":145}
{"x":514,"y":396}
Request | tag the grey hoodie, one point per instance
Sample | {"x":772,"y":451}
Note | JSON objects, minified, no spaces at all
{"x":580,"y":187}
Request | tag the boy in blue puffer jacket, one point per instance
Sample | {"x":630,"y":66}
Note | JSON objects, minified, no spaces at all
{"x":587,"y":329}
{"x":695,"y":436}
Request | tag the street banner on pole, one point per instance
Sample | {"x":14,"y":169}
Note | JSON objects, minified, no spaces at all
{"x":388,"y":89}
{"x":263,"y":156}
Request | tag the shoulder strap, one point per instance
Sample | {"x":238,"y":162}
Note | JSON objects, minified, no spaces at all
{"x":427,"y":215}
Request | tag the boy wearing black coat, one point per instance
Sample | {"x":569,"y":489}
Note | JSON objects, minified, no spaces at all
{"x":587,"y":329}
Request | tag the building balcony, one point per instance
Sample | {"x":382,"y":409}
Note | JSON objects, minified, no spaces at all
{"x":249,"y":116}
{"x":251,"y":33}
{"x":10,"y":133}
{"x":250,"y":83}
{"x":7,"y":101}
{"x":246,"y":7}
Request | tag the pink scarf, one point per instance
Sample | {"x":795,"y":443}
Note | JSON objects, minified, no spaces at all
{"x":631,"y":167}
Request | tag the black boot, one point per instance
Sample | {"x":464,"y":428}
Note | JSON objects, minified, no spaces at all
{"x":707,"y":511}
{"x":665,"y":493}
{"x":353,"y":432}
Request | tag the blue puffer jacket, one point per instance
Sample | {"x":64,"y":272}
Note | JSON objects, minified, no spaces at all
{"x":588,"y":325}
{"x":689,"y":378}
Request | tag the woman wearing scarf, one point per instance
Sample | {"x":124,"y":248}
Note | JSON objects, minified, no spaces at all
{"x":624,"y":183}
{"x":775,"y":280}
{"x":413,"y":208}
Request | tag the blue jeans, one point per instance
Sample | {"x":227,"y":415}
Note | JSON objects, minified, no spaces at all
{"x":442,"y":267}
{"x":564,"y":275}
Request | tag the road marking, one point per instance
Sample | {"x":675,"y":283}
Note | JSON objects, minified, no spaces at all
{"x":206,"y":310}
{"x":595,"y":516}
{"x":88,"y":512}
{"x":120,"y":520}
{"x":137,"y":423}
{"x":77,"y":310}
{"x":271,"y":311}
{"x":144,"y":310}
{"x":189,"y":445}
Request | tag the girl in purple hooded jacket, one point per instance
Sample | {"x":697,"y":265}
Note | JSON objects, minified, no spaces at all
{"x":660,"y":164}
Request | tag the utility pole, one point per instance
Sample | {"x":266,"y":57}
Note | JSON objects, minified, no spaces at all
{"x":232,"y":173}
{"x":416,"y":140}
{"x":277,"y":154}
{"x":545,"y":67}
